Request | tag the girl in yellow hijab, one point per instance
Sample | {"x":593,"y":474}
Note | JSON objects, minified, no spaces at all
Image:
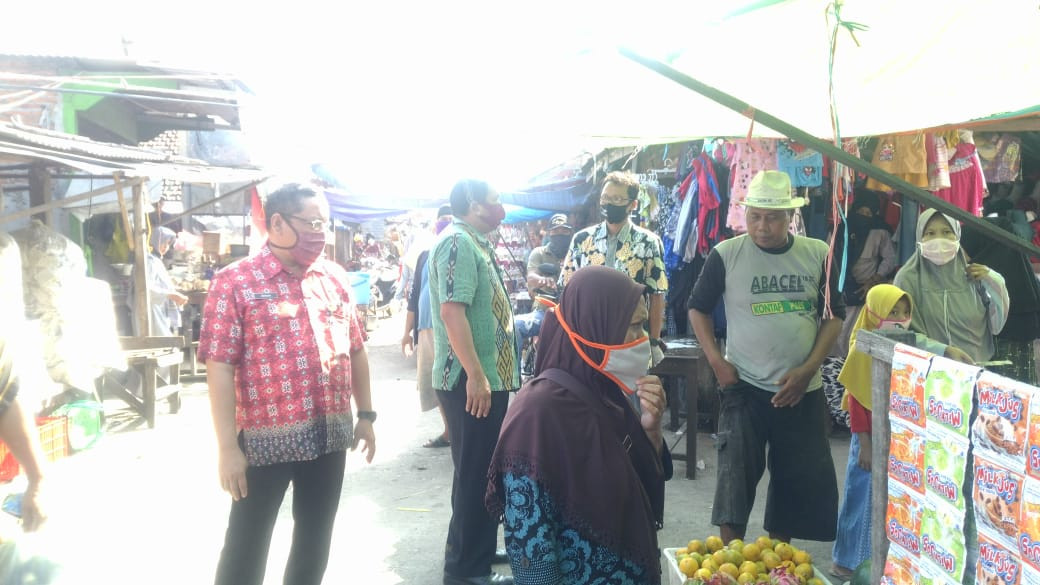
{"x":887,"y":307}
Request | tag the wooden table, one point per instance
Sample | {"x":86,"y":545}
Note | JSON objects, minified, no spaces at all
{"x":147,"y":355}
{"x":196,"y":302}
{"x":685,"y":359}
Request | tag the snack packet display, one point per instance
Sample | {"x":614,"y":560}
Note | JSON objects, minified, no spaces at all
{"x":903,"y":518}
{"x":1003,"y":419}
{"x":909,"y":369}
{"x":1033,"y":442}
{"x":997,"y":494}
{"x":997,"y":564}
{"x":901,"y":567}
{"x":944,"y":467}
{"x":1028,"y":536}
{"x":948,"y":392}
{"x":906,"y":456}
{"x":942,"y":540}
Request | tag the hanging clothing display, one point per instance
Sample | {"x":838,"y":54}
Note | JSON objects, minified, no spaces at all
{"x":750,"y":157}
{"x":1001,"y":156}
{"x":804,"y":165}
{"x":938,"y":162}
{"x":966,"y":186}
{"x":904,"y":156}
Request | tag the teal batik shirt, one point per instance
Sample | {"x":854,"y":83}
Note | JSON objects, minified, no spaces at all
{"x":463,"y":270}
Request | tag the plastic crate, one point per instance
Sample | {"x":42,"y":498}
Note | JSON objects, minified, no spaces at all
{"x":54,"y":436}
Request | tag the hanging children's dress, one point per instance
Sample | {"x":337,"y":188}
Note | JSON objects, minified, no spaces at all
{"x":903,"y":156}
{"x":966,"y":184}
{"x":804,"y":165}
{"x":1001,"y":156}
{"x":938,"y":162}
{"x":750,"y":157}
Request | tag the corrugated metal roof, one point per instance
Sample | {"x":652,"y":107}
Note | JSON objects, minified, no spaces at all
{"x":27,"y":143}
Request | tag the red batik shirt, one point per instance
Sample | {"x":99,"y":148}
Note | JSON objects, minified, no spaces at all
{"x":290,"y":339}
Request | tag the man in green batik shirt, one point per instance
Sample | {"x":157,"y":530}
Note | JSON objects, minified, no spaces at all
{"x":474,"y":369}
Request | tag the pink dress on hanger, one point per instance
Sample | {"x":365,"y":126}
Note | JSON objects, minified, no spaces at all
{"x":752,"y":156}
{"x":966,"y":187}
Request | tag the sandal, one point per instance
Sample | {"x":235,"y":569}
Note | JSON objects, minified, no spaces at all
{"x":840,"y":573}
{"x":436,"y":442}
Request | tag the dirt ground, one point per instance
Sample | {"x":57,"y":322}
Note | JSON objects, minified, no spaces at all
{"x":144,"y":506}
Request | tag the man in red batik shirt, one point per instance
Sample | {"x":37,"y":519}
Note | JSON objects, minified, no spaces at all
{"x":284,"y":352}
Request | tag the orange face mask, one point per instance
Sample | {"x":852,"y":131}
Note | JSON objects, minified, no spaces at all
{"x":624,"y":364}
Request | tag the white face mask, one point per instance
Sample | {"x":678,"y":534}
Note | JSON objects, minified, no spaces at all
{"x":940,"y":250}
{"x":894,"y":324}
{"x":624,"y":364}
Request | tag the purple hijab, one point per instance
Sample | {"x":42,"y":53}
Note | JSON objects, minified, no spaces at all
{"x":575,"y":451}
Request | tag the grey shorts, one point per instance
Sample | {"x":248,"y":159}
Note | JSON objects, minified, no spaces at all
{"x":802,"y":501}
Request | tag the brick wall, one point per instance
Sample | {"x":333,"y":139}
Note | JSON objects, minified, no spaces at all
{"x":170,"y":142}
{"x":42,"y":109}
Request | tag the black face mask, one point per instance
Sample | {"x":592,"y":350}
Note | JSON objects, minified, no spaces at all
{"x":558,"y":244}
{"x":614,"y":213}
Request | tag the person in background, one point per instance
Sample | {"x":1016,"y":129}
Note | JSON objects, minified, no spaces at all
{"x":618,"y":243}
{"x":886,"y":308}
{"x":773,"y":285}
{"x":165,"y":301}
{"x":544,"y":285}
{"x":418,"y":333}
{"x":871,"y":259}
{"x":285,"y":355}
{"x":958,"y":302}
{"x":17,"y":428}
{"x":474,"y":369}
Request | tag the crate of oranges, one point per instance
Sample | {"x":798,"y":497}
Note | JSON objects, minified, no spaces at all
{"x":762,"y":562}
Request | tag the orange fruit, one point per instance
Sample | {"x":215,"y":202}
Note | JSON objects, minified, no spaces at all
{"x":752,"y":551}
{"x":709,"y":564}
{"x":814,"y":581}
{"x":730,"y":569}
{"x":788,"y":564}
{"x":720,"y":557}
{"x":771,"y":559}
{"x":749,"y":567}
{"x":696,"y":546}
{"x":746,"y":578}
{"x":702,"y":574}
{"x":736,"y":544}
{"x":713,"y":543}
{"x":734,"y":556}
{"x":764,"y":542}
{"x":681,"y":552}
{"x":801,"y":558}
{"x":785,"y":550}
{"x":688,"y":566}
{"x":804,"y":570}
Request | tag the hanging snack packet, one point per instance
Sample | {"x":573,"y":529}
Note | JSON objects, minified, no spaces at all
{"x":1002,"y":422}
{"x":906,"y":456}
{"x":948,"y":391}
{"x":945,"y":457}
{"x":909,"y":368}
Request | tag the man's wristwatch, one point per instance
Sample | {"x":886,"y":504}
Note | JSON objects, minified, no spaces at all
{"x":369,"y":415}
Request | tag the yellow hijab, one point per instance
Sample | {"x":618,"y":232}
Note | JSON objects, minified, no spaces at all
{"x":855,"y":374}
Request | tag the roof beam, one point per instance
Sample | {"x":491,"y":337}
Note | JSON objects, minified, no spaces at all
{"x":62,"y":202}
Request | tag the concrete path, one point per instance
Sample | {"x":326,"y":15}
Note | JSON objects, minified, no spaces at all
{"x":144,"y":506}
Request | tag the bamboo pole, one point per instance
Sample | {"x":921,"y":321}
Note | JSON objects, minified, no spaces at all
{"x":15,"y":215}
{"x":916,"y":193}
{"x":138,"y":237}
{"x":117,"y":181}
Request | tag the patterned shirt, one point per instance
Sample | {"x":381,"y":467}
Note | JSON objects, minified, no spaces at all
{"x":638,"y":252}
{"x":290,"y":339}
{"x":463,"y":270}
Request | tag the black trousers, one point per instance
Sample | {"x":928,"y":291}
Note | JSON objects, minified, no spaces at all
{"x":316,"y":491}
{"x":472,"y":533}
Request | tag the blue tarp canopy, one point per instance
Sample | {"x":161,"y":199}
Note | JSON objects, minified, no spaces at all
{"x":359,"y":209}
{"x":517,"y":214}
{"x":559,"y":196}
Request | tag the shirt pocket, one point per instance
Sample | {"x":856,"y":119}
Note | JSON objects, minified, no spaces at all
{"x":266,"y":320}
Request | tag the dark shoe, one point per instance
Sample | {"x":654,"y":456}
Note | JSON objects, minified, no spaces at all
{"x":492,"y":579}
{"x":501,"y":558}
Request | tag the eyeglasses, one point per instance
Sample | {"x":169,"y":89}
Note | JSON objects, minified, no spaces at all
{"x":317,"y":225}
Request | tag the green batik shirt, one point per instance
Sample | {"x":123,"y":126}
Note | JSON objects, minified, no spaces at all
{"x":463,"y":270}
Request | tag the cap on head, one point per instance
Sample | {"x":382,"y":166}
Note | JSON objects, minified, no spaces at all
{"x":559,"y":220}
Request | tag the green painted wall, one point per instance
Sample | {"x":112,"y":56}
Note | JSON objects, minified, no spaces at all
{"x":73,"y":103}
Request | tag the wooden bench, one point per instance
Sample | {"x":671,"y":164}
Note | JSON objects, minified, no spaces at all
{"x":146,"y":355}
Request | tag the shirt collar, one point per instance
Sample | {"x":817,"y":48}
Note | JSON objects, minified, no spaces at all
{"x":623,"y":233}
{"x":472,"y":231}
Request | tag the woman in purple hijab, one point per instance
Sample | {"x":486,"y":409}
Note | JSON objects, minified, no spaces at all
{"x":578,"y":475}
